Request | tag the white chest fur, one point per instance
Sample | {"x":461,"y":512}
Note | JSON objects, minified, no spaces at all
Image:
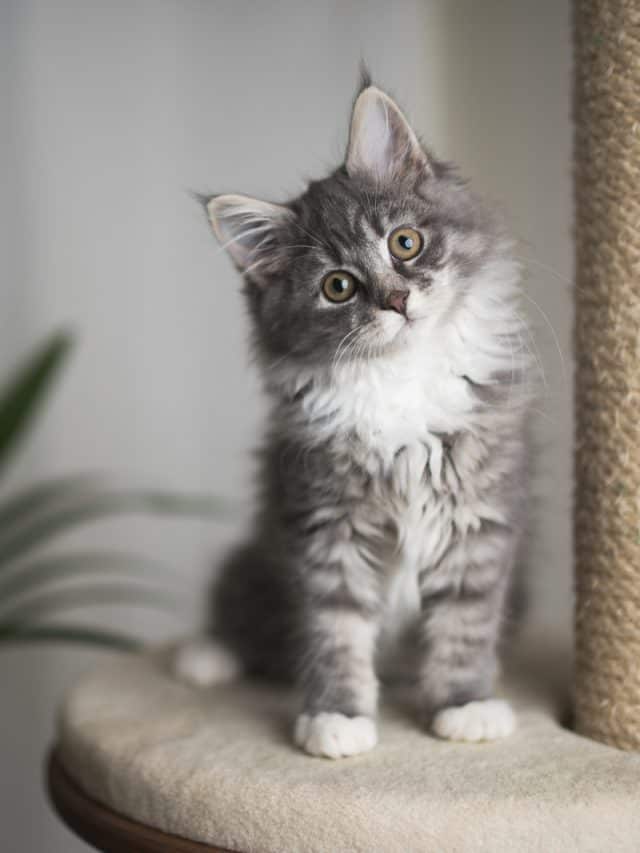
{"x":395,"y":402}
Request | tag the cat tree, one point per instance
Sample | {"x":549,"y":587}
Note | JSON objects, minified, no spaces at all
{"x":607,"y":341}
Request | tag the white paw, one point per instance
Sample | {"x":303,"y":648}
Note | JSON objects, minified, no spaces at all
{"x":489,"y":719}
{"x":203,"y":663}
{"x":334,"y":735}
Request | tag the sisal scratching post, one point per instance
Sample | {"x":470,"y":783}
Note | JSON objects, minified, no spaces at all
{"x":607,"y":341}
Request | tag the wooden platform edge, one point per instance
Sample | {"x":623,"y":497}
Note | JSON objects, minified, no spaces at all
{"x":105,"y":829}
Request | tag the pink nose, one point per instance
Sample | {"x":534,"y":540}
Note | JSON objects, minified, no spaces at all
{"x":397,"y":301}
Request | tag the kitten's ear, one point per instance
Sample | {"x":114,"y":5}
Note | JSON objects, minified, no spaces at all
{"x":247,"y":228}
{"x":381,"y":141}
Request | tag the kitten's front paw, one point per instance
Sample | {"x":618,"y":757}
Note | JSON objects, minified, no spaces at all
{"x":489,"y":719}
{"x":335,"y":735}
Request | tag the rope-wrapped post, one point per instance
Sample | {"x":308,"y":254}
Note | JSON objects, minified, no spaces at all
{"x":607,"y":349}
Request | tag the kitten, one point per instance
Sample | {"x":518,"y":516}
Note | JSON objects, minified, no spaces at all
{"x":384,"y":310}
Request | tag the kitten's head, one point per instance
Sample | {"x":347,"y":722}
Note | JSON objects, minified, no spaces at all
{"x":367,"y":260}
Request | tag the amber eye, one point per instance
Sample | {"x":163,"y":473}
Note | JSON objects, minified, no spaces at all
{"x":339,"y":286}
{"x":405,"y":243}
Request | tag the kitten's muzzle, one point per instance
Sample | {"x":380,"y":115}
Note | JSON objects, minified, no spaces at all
{"x":397,"y":301}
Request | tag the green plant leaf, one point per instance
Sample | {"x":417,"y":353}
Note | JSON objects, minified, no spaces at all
{"x":69,"y":634}
{"x":17,"y":543}
{"x":43,"y":496}
{"x":21,"y":396}
{"x":158,"y":502}
{"x":87,"y":596}
{"x":32,"y":577}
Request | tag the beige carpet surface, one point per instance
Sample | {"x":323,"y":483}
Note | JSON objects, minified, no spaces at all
{"x":217,"y":766}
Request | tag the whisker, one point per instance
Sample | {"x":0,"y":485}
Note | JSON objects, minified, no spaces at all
{"x":343,"y":346}
{"x":560,"y":276}
{"x":317,"y":240}
{"x":553,"y":332}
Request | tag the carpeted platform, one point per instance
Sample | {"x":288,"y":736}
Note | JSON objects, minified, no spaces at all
{"x":218,"y":767}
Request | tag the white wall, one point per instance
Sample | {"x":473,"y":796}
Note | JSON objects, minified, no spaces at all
{"x":112,"y":113}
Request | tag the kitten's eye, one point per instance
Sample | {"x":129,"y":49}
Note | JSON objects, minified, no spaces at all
{"x":405,"y":243}
{"x":339,"y":286}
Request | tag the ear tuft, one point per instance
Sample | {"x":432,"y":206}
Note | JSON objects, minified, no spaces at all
{"x":247,"y":228}
{"x":382,"y":144}
{"x":365,"y":76}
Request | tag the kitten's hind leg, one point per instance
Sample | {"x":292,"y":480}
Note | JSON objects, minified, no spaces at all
{"x":205,"y":662}
{"x":255,"y":613}
{"x":252,"y":630}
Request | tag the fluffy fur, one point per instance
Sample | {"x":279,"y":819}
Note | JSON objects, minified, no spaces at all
{"x":393,"y":479}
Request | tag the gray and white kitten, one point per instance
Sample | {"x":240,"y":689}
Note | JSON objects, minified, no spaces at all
{"x":384,"y":306}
